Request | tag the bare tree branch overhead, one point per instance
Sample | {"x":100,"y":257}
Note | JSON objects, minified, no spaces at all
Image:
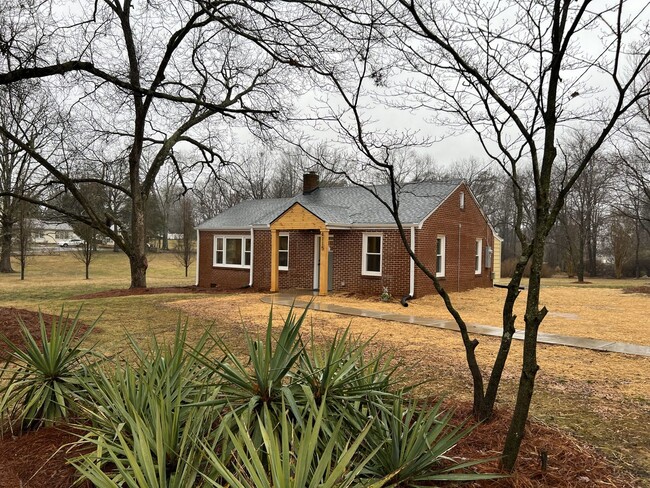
{"x":137,"y":80}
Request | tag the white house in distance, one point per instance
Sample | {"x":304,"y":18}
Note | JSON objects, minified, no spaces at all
{"x":44,"y":232}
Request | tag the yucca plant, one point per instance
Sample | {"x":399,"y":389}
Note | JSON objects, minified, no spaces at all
{"x":264,"y":380}
{"x":40,"y":382}
{"x":341,"y":371}
{"x":411,"y":446}
{"x":159,"y":447}
{"x":144,"y":417}
{"x":293,"y":457}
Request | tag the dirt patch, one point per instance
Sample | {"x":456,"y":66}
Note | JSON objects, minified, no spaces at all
{"x":127,"y":292}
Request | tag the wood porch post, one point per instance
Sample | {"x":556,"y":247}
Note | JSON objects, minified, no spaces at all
{"x":275,"y":268}
{"x":324,"y":268}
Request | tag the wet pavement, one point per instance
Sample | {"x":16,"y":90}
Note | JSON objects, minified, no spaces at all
{"x":488,"y":330}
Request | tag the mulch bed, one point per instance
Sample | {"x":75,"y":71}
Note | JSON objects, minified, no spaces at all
{"x":568,"y":462}
{"x":126,"y":292}
{"x":645,"y":289}
{"x":38,"y":458}
{"x":10,"y":328}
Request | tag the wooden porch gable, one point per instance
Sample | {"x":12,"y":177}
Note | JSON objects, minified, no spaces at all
{"x":298,"y":217}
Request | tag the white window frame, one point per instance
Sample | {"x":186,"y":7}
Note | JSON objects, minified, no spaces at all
{"x":283,"y":234}
{"x":440,"y":273}
{"x":364,"y":254}
{"x":478,"y":256}
{"x":244,"y":252}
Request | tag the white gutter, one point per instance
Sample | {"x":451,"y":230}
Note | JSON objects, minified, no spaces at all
{"x":250,"y":276}
{"x":412,"y":264}
{"x":198,"y":244}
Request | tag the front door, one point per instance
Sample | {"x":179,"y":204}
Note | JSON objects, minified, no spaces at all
{"x":330,"y":265}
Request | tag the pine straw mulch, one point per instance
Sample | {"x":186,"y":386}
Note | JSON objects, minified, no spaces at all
{"x":569,"y":463}
{"x":645,"y":289}
{"x":35,"y":458}
{"x":127,"y":292}
{"x":10,"y":327}
{"x":38,"y":459}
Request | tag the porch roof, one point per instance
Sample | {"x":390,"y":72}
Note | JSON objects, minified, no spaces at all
{"x":340,"y":206}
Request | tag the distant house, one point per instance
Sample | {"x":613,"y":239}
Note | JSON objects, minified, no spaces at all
{"x":344,"y":239}
{"x":51,"y":232}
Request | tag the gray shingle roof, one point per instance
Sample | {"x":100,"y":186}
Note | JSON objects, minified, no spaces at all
{"x":341,"y":206}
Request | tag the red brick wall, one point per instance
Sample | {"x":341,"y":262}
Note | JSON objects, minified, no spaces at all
{"x":218,"y":277}
{"x":445,"y":221}
{"x":348,"y":247}
{"x":301,"y":260}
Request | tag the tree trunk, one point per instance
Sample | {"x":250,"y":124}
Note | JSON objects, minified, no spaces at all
{"x":581,"y":261}
{"x":637,"y":267}
{"x":487,"y":407}
{"x":533,"y":319}
{"x":5,"y":250}
{"x":137,"y":254}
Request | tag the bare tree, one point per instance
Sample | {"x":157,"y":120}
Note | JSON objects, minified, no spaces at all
{"x":17,"y":171}
{"x":185,"y":251}
{"x":586,"y":205}
{"x":142,"y":106}
{"x":87,"y":252}
{"x":24,"y":214}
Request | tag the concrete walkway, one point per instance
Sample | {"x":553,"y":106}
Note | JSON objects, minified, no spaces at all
{"x":543,"y":338}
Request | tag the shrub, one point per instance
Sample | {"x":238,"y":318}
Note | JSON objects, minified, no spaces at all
{"x":287,"y":415}
{"x":41,"y":382}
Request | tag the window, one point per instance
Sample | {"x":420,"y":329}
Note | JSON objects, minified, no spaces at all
{"x":440,"y":256}
{"x":283,"y":261}
{"x":232,"y":252}
{"x":477,"y":256}
{"x":462,"y":200}
{"x":371,"y":255}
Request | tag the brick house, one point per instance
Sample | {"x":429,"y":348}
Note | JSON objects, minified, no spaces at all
{"x":344,"y":239}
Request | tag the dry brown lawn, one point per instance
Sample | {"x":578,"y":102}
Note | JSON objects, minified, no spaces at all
{"x":599,"y":313}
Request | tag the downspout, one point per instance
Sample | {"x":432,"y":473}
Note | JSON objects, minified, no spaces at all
{"x":198,"y":244}
{"x":412,"y":264}
{"x":458,"y":260}
{"x":250,"y":273}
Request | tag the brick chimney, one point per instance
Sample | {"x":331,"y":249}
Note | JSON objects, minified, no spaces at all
{"x":309,"y":182}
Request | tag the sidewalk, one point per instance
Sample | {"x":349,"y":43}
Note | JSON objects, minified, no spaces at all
{"x":542,"y":338}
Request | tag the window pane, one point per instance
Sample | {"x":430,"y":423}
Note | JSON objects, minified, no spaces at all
{"x":439,"y":263}
{"x":284,"y":259}
{"x":373,"y":262}
{"x":220,"y":257}
{"x":247,"y":258}
{"x":284,"y":243}
{"x":233,"y":251}
{"x":374,"y":244}
{"x":220,"y":244}
{"x":248,"y":245}
{"x":438,"y":246}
